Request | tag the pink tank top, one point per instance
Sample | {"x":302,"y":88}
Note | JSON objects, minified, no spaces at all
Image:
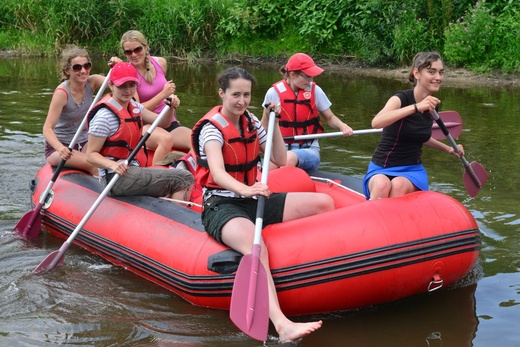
{"x":146,"y":91}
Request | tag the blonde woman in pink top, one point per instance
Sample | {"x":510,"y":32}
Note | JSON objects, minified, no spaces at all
{"x":152,"y":90}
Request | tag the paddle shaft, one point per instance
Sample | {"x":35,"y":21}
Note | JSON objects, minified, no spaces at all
{"x":259,"y":223}
{"x":263,"y":179}
{"x":333,"y":134}
{"x":57,"y":256}
{"x":455,"y":123}
{"x":26,"y":231}
{"x":453,"y":144}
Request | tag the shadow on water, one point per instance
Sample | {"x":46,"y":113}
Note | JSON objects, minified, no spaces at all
{"x":88,"y":302}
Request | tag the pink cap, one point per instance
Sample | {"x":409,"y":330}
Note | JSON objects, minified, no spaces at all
{"x":123,"y":72}
{"x":302,"y":62}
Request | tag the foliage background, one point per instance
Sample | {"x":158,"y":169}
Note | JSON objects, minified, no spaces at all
{"x":479,"y":35}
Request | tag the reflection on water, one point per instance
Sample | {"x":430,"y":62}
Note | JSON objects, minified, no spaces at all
{"x":90,"y":303}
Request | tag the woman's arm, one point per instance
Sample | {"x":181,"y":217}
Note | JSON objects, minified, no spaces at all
{"x":391,"y":113}
{"x":58,"y":102}
{"x":149,"y":117}
{"x":94,"y":157}
{"x":96,"y":81}
{"x":334,"y":122}
{"x":213,"y":151}
{"x":438,"y":145}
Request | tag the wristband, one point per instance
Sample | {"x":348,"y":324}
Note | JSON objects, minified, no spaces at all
{"x":416,"y":109}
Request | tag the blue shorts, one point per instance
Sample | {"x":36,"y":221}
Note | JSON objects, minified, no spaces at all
{"x":308,"y":154}
{"x":415,"y":173}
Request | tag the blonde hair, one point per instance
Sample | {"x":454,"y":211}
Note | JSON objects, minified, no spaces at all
{"x":420,"y":61}
{"x":137,"y":36}
{"x":67,"y":54}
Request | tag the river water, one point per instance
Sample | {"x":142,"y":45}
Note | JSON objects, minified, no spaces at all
{"x":88,"y":302}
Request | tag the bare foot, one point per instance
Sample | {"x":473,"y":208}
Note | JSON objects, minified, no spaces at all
{"x":293,"y":331}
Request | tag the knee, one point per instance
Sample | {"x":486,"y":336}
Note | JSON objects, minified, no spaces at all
{"x":292,"y":159}
{"x":379,"y":187}
{"x":401,"y":186}
{"x":166,"y":140}
{"x":324,"y":203}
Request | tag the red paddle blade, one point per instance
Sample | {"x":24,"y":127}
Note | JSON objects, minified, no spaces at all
{"x":475,"y":176}
{"x":453,"y":123}
{"x":250,"y":299}
{"x":54,"y":259}
{"x":28,"y":227}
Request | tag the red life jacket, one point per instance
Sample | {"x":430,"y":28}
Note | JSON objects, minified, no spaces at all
{"x":240,"y":153}
{"x":299,"y":114}
{"x":126,"y":138}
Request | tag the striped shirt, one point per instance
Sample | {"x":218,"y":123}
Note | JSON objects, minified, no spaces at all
{"x":210,"y":133}
{"x":105,"y":124}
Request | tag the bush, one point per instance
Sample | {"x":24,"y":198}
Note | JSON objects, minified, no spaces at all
{"x":378,"y":32}
{"x":506,"y":51}
{"x":410,"y":34}
{"x":470,"y":39}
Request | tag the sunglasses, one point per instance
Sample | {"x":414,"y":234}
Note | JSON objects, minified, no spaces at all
{"x":136,"y":50}
{"x":77,"y":67}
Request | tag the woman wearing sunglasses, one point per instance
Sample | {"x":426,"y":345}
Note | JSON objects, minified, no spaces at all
{"x":69,"y":105}
{"x":302,"y":102}
{"x":152,"y":90}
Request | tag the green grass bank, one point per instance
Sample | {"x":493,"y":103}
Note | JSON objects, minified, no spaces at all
{"x":479,"y":35}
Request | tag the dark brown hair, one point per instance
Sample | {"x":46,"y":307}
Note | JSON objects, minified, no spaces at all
{"x":233,"y":73}
{"x":420,"y":61}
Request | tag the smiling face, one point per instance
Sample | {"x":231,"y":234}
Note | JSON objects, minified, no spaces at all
{"x":135,"y":52}
{"x":80,"y":75}
{"x":430,"y":77}
{"x":236,"y":98}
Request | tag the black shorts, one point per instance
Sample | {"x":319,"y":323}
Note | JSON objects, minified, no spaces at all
{"x":174,"y":125}
{"x":220,"y":210}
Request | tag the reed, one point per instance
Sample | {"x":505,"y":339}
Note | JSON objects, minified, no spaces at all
{"x":378,"y":32}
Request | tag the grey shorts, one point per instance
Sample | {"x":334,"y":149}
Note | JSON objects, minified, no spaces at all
{"x":151,"y":181}
{"x":219,"y":210}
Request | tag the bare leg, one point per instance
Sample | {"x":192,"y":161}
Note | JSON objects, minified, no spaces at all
{"x":292,"y":159}
{"x":238,"y":234}
{"x":184,"y":194}
{"x":401,"y":186}
{"x":379,"y":187}
{"x":159,"y":141}
{"x":299,"y":205}
{"x":78,"y":160}
{"x":181,"y":138}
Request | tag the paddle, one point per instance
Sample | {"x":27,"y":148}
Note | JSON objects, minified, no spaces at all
{"x":29,"y":226}
{"x":250,"y":296}
{"x":475,"y":176}
{"x":451,"y":120}
{"x":56,"y":257}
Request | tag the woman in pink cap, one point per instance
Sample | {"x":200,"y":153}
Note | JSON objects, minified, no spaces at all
{"x":115,"y":125}
{"x":302,"y":101}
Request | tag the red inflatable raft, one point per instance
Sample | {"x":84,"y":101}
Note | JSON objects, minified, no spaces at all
{"x":362,"y":253}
